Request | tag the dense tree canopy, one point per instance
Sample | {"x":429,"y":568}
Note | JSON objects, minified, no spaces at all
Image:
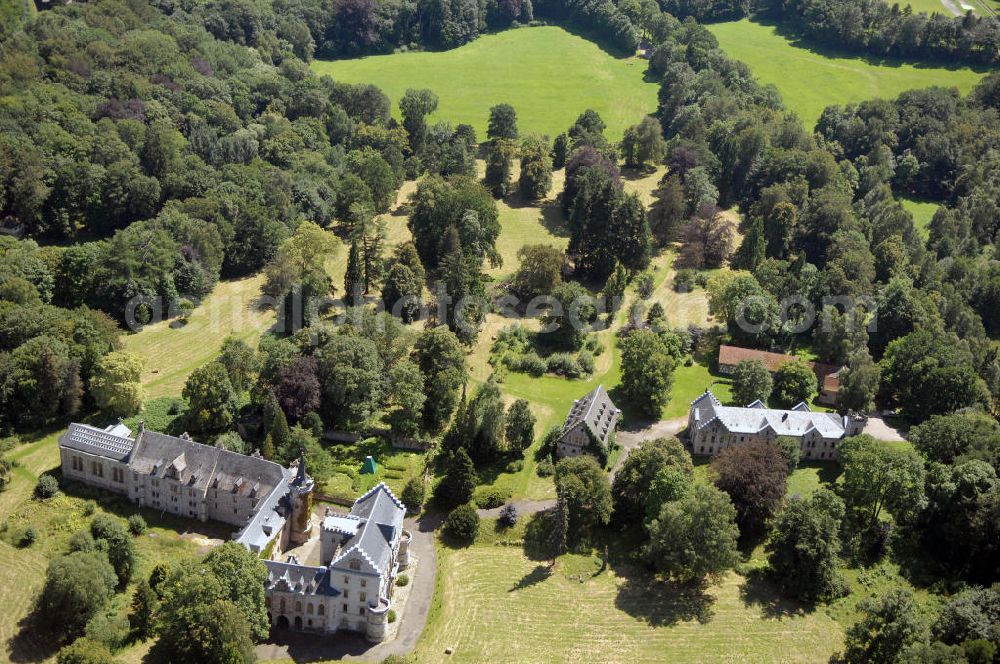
{"x":754,"y":476}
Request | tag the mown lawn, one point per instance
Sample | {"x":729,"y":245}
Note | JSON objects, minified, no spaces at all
{"x":495,"y":604}
{"x":547,"y":74}
{"x":810,"y":80}
{"x":395,"y":467}
{"x":172,"y":351}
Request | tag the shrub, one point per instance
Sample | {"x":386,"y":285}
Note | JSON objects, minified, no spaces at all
{"x":391,"y":616}
{"x":508,"y":516}
{"x":28,"y":537}
{"x":47,"y":487}
{"x":490,"y":497}
{"x":529,"y":363}
{"x":89,"y":507}
{"x":82,"y":540}
{"x":136,"y":524}
{"x":644,"y":285}
{"x":462,"y":525}
{"x":545,"y":468}
{"x":84,"y":651}
{"x":402,"y":580}
{"x":112,"y":631}
{"x":515,"y":466}
{"x":565,"y":364}
{"x":685,"y":280}
{"x":586,"y":361}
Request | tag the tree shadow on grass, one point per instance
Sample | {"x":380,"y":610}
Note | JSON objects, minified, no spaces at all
{"x":537,"y":575}
{"x":757,"y":590}
{"x":664,"y":603}
{"x":634,"y":174}
{"x":553,"y":219}
{"x":34,"y":642}
{"x":804,"y":42}
{"x":537,"y":536}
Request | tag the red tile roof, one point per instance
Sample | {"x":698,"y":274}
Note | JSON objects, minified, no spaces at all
{"x":733,"y":355}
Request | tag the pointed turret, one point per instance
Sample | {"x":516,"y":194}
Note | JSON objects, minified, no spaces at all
{"x":301,"y":478}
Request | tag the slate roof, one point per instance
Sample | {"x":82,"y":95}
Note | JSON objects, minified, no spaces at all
{"x":381,"y":523}
{"x":115,"y":442}
{"x":302,"y":579}
{"x":756,"y":418}
{"x":246,"y":475}
{"x":596,"y":411}
{"x":160,"y":455}
{"x":268,"y":520}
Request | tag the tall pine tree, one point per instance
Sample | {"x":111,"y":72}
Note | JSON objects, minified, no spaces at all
{"x":354,"y":278}
{"x":752,"y":250}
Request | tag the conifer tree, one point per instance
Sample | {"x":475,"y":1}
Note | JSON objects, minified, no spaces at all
{"x":560,"y":529}
{"x":267,"y":448}
{"x":143,"y":608}
{"x":281,"y":436}
{"x":459,"y":482}
{"x":752,"y":250}
{"x":354,"y":278}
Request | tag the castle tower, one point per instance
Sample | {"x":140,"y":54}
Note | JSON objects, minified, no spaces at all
{"x":377,"y":621}
{"x":301,"y":495}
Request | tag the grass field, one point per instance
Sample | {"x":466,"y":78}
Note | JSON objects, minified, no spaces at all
{"x":928,"y":6}
{"x":548,"y":75}
{"x":922,"y":211}
{"x":172,"y":352}
{"x":494,"y":604}
{"x":809,"y":80}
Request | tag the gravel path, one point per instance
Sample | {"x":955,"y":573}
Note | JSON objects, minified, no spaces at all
{"x":879,"y":429}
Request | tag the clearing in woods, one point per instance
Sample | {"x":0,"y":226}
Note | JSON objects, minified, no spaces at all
{"x":172,"y":350}
{"x":547,"y":74}
{"x":810,"y":79}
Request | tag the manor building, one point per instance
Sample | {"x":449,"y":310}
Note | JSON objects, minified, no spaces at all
{"x":361,"y":552}
{"x":713,"y":427}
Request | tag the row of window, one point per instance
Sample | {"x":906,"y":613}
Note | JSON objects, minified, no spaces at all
{"x":97,"y":469}
{"x":320,"y":609}
{"x":282,"y":607}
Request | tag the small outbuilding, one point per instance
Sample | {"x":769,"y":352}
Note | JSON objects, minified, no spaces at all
{"x":590,"y":426}
{"x":369,"y":467}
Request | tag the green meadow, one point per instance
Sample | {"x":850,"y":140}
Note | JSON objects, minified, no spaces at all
{"x":547,"y":74}
{"x":810,"y":80}
{"x":922,"y":211}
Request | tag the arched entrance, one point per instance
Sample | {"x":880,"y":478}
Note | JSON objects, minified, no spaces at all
{"x":298,"y":623}
{"x":283,"y":622}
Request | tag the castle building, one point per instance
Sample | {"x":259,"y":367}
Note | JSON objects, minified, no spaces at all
{"x":361,"y":553}
{"x":589,"y":426}
{"x":713,"y":427}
